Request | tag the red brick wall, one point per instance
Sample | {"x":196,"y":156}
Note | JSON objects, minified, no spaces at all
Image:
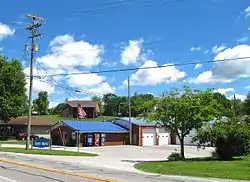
{"x":58,"y":136}
{"x":115,"y":139}
{"x":136,"y":134}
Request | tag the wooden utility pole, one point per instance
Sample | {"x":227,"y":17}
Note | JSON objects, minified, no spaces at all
{"x":129,"y":113}
{"x":33,"y":31}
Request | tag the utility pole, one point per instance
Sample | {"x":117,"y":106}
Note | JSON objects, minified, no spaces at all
{"x":129,"y":113}
{"x":235,"y":112}
{"x":33,"y":31}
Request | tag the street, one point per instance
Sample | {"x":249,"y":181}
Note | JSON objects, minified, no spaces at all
{"x":16,"y":173}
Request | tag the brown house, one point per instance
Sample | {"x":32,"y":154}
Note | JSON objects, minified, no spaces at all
{"x":39,"y":126}
{"x":92,"y":109}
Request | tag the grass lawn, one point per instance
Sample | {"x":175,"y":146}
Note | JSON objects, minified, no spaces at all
{"x":47,"y":152}
{"x":56,"y":118}
{"x":236,"y":169}
{"x":13,"y":141}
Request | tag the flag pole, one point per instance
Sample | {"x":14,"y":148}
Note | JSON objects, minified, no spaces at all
{"x":77,"y":134}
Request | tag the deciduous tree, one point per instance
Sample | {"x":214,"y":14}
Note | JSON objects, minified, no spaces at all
{"x":182,"y":110}
{"x":13,"y":92}
{"x":42,"y":103}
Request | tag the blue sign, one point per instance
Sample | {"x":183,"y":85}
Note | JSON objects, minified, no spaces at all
{"x":41,"y":142}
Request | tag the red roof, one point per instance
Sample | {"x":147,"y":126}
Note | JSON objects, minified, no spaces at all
{"x":84,"y":103}
{"x":35,"y":121}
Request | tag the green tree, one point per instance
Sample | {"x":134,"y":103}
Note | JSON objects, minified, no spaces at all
{"x":225,"y":104}
{"x":137,"y":103}
{"x":110,"y":104}
{"x":59,"y":109}
{"x":238,"y":107}
{"x":247,"y":104}
{"x":42,"y":103}
{"x":98,"y":100}
{"x":12,"y":93}
{"x":182,"y":110}
{"x":230,"y":137}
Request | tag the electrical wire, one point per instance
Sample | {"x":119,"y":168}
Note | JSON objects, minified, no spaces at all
{"x":114,"y":6}
{"x":150,"y":67}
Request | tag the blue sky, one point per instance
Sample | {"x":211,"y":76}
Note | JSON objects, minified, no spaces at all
{"x":79,"y":37}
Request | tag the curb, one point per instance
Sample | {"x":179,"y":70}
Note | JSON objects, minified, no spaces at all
{"x":59,"y":171}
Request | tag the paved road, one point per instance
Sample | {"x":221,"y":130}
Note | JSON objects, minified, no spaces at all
{"x":15,"y":173}
{"x":123,"y":176}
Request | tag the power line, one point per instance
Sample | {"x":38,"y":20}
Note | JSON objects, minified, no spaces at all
{"x":71,"y":88}
{"x":150,"y":67}
{"x":114,"y":6}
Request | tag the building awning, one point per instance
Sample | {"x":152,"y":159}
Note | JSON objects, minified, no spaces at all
{"x":92,"y":126}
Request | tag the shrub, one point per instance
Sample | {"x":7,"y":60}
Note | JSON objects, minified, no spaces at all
{"x":174,"y":156}
{"x":230,"y":138}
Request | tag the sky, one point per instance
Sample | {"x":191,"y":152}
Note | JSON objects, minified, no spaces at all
{"x":84,"y":36}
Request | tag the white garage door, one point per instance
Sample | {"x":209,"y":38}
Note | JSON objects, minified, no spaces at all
{"x":148,"y":137}
{"x":163,"y":137}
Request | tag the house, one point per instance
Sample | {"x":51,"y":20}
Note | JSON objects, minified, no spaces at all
{"x":145,"y":133}
{"x":91,"y":133}
{"x":91,"y":108}
{"x":39,"y":126}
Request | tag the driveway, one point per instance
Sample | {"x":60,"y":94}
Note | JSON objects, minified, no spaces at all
{"x":123,"y":157}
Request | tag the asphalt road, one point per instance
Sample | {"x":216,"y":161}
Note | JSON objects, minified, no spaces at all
{"x":20,"y":174}
{"x":15,"y":173}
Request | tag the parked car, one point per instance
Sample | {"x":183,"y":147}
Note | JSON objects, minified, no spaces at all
{"x":23,"y":136}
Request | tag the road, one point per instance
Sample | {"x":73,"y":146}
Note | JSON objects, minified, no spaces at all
{"x":17,"y":173}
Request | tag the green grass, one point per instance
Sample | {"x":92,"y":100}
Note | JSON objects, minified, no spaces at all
{"x":13,"y":141}
{"x":56,"y":118}
{"x":235,"y":169}
{"x":47,"y":152}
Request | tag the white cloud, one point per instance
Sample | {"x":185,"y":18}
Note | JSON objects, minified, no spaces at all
{"x":206,"y":51}
{"x":224,"y":91}
{"x":247,"y":11}
{"x":38,"y":86}
{"x":247,"y":87}
{"x":5,"y":31}
{"x":243,"y":39}
{"x":197,"y":66}
{"x":238,"y":96}
{"x":131,"y":53}
{"x":66,"y":53}
{"x":155,"y":76}
{"x":53,"y":104}
{"x":216,"y":49}
{"x":226,"y":72}
{"x":195,"y":48}
{"x":90,"y":82}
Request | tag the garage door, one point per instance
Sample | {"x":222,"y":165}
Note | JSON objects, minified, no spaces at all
{"x":148,"y":137}
{"x":163,"y":137}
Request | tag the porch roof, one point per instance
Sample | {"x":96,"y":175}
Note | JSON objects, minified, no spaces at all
{"x":93,"y":126}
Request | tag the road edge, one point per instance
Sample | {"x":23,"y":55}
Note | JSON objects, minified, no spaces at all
{"x":59,"y":171}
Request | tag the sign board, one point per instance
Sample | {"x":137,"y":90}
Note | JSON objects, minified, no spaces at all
{"x":41,"y":142}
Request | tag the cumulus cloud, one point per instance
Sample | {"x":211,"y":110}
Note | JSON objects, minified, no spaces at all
{"x":155,"y":76}
{"x":91,"y":82}
{"x":66,"y":52}
{"x":195,"y":48}
{"x":5,"y":31}
{"x":224,"y":91}
{"x":247,"y":11}
{"x":228,"y":71}
{"x":216,"y":49}
{"x":242,"y":39}
{"x":131,"y":53}
{"x":247,"y":87}
{"x":206,"y":51}
{"x":238,"y":96}
{"x":197,"y":66}
{"x":38,"y":86}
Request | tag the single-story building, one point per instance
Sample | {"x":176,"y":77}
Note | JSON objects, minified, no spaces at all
{"x":39,"y":126}
{"x":91,"y":133}
{"x":145,"y":133}
{"x":91,"y":108}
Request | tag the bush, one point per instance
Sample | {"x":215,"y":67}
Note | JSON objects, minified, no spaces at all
{"x":230,"y":138}
{"x":174,"y":156}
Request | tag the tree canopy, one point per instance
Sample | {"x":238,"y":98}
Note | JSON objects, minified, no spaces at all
{"x":182,"y":110}
{"x":41,"y":104}
{"x":13,"y":92}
